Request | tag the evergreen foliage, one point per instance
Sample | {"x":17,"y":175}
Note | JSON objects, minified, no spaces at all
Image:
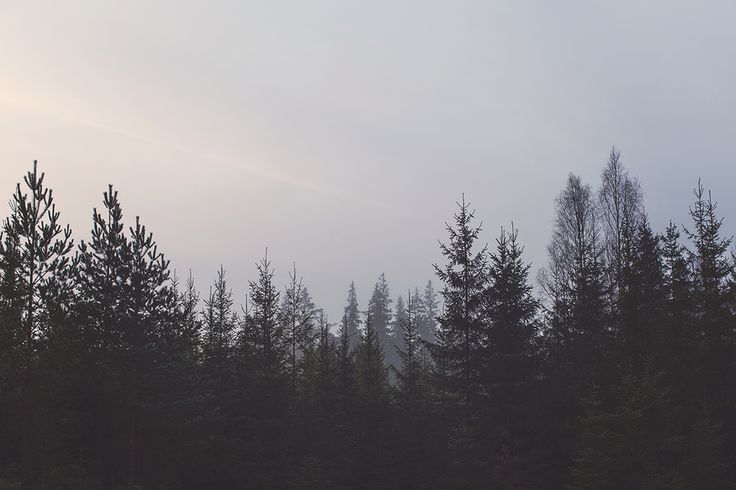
{"x":113,"y":374}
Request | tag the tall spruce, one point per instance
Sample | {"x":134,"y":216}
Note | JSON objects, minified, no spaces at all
{"x":461,"y":325}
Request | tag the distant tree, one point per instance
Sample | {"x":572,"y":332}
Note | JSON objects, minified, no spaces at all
{"x":411,"y":376}
{"x":269,"y":335}
{"x":324,"y":362}
{"x":371,"y":372}
{"x":400,"y":316}
{"x":352,"y":316}
{"x":427,"y":312}
{"x":297,"y":317}
{"x":379,"y":310}
{"x":191,"y":322}
{"x":345,"y":363}
{"x":219,"y":327}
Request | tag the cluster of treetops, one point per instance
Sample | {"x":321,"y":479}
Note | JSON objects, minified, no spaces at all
{"x":616,"y":372}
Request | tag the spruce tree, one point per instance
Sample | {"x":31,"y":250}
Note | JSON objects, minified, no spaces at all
{"x":427,"y":312}
{"x":219,"y":327}
{"x":352,"y":316}
{"x":345,"y":364}
{"x":270,"y":343}
{"x":371,"y":371}
{"x":510,"y":361}
{"x":461,"y":325}
{"x":411,"y":374}
{"x":379,"y":310}
{"x":297,"y":317}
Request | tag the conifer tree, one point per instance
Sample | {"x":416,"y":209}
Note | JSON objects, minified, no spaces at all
{"x":371,"y":372}
{"x":345,"y":363}
{"x":411,"y":375}
{"x":379,"y":310}
{"x":714,"y":313}
{"x":427,"y":312}
{"x":325,"y":361}
{"x":352,"y":316}
{"x":461,"y":325}
{"x":680,"y":335}
{"x":35,"y":249}
{"x":399,"y":317}
{"x":150,"y":328}
{"x":191,"y":322}
{"x":297,"y":316}
{"x":510,"y":360}
{"x":269,"y":337}
{"x":219,"y":326}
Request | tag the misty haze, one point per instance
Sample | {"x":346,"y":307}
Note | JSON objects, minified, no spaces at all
{"x":316,"y":245}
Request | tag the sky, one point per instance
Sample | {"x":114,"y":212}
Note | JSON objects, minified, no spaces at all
{"x":340,"y":134}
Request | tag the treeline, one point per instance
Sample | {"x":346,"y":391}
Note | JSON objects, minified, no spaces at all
{"x":618,"y":374}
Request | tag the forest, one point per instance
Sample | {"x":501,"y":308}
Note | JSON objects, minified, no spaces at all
{"x":613,"y":367}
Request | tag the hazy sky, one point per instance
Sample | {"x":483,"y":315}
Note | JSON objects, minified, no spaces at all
{"x":340,"y":134}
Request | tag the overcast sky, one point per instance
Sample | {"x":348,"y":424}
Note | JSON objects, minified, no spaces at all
{"x":340,"y":134}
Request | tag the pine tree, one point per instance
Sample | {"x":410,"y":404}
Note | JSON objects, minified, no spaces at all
{"x":714,"y":307}
{"x":150,"y":329}
{"x":297,"y":317}
{"x":712,"y":270}
{"x":219,"y":327}
{"x":427,"y":312}
{"x":411,"y":375}
{"x":103,"y":272}
{"x":642,"y":301}
{"x":269,"y":337}
{"x":371,"y":372}
{"x":325,"y":362}
{"x":379,"y":310}
{"x":345,"y":364}
{"x":461,"y":325}
{"x":399,"y":317}
{"x":679,"y":338}
{"x":510,"y":360}
{"x":191,"y":323}
{"x":352,"y":316}
{"x":36,"y":246}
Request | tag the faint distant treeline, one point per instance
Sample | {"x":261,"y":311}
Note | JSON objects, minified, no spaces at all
{"x":115,"y":374}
